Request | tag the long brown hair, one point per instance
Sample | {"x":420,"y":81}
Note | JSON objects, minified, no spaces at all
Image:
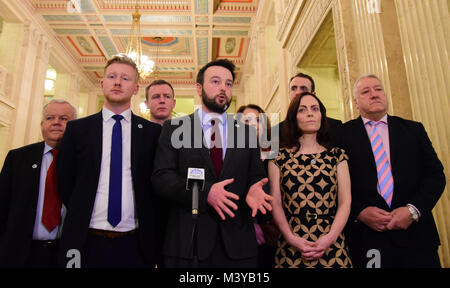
{"x":291,"y":131}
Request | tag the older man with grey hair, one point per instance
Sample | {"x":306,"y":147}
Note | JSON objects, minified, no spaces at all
{"x":30,"y":208}
{"x":396,"y":180}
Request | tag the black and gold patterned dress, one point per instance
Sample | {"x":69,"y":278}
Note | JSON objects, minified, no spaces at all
{"x":309,"y":193}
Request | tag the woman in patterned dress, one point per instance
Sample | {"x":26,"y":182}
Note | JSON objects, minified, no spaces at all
{"x":310,"y":184}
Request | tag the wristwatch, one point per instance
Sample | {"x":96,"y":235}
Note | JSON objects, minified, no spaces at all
{"x":414,"y":214}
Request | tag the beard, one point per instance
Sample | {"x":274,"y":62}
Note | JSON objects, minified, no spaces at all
{"x":213,"y":105}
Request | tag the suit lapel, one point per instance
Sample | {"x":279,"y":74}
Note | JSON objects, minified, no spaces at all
{"x":97,"y":143}
{"x":136,"y":140}
{"x":35,"y":166}
{"x":395,"y":137}
{"x":204,"y":151}
{"x":366,"y":147}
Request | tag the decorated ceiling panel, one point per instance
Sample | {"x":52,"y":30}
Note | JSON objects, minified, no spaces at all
{"x":192,"y":32}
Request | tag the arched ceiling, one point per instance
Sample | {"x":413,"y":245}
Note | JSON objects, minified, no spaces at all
{"x":194,"y":32}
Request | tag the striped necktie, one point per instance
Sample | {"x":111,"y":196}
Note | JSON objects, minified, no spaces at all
{"x":385,"y":180}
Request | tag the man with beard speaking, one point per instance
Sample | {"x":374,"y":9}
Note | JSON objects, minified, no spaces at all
{"x":232,"y":191}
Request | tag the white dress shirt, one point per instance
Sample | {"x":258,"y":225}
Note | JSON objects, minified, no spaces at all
{"x":205,"y":119}
{"x":99,"y":217}
{"x":383,"y":130}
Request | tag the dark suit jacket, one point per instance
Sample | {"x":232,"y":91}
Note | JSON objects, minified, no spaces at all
{"x":169,"y":180}
{"x":333,"y":127}
{"x":19,"y":192}
{"x":79,"y":164}
{"x":418,"y":180}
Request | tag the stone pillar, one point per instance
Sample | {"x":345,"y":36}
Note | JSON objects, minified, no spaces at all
{"x":67,"y":87}
{"x":92,"y":103}
{"x":33,"y":131}
{"x":424,"y":29}
{"x":25,"y":76}
{"x":260,"y":67}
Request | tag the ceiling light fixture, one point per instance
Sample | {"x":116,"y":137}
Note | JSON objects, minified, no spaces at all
{"x":134,"y":47}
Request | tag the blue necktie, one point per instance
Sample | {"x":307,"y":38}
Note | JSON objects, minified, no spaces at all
{"x":115,"y":174}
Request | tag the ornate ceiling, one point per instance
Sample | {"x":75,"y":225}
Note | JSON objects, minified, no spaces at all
{"x":194,"y":32}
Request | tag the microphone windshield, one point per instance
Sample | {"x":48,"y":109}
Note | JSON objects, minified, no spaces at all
{"x":195,"y":172}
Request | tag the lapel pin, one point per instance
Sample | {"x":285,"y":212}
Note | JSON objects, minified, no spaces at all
{"x":34,"y":166}
{"x":139,"y":125}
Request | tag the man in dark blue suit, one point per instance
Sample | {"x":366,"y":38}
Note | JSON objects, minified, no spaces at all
{"x":396,"y":178}
{"x":29,"y":231}
{"x":104,"y":172}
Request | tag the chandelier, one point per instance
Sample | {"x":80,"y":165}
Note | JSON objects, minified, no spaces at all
{"x":158,"y":39}
{"x":134,"y":47}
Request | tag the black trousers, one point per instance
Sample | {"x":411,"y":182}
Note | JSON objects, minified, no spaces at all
{"x":218,"y":259}
{"x":43,"y":254}
{"x":395,"y":257}
{"x":120,"y":252}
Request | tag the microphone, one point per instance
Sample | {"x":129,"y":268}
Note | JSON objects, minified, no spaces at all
{"x":195,"y":181}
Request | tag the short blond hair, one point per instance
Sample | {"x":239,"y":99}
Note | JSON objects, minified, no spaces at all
{"x":123,"y":59}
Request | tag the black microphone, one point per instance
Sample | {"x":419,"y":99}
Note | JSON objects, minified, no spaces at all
{"x":195,"y":181}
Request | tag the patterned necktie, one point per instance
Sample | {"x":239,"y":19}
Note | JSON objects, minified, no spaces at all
{"x":115,"y":174}
{"x":385,"y":180}
{"x":216,"y":147}
{"x":51,"y":214}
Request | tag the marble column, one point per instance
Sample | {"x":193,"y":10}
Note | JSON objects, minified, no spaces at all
{"x":92,"y":103}
{"x":25,"y":76}
{"x":33,"y":131}
{"x":424,"y":27}
{"x":67,"y":87}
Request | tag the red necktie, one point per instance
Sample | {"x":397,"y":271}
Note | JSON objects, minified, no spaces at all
{"x":51,"y":214}
{"x":216,"y":148}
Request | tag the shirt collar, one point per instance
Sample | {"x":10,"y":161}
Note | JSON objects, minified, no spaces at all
{"x":47,"y":148}
{"x":107,"y":114}
{"x":205,"y":117}
{"x":383,"y":120}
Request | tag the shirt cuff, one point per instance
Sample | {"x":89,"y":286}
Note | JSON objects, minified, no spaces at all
{"x":415,"y":208}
